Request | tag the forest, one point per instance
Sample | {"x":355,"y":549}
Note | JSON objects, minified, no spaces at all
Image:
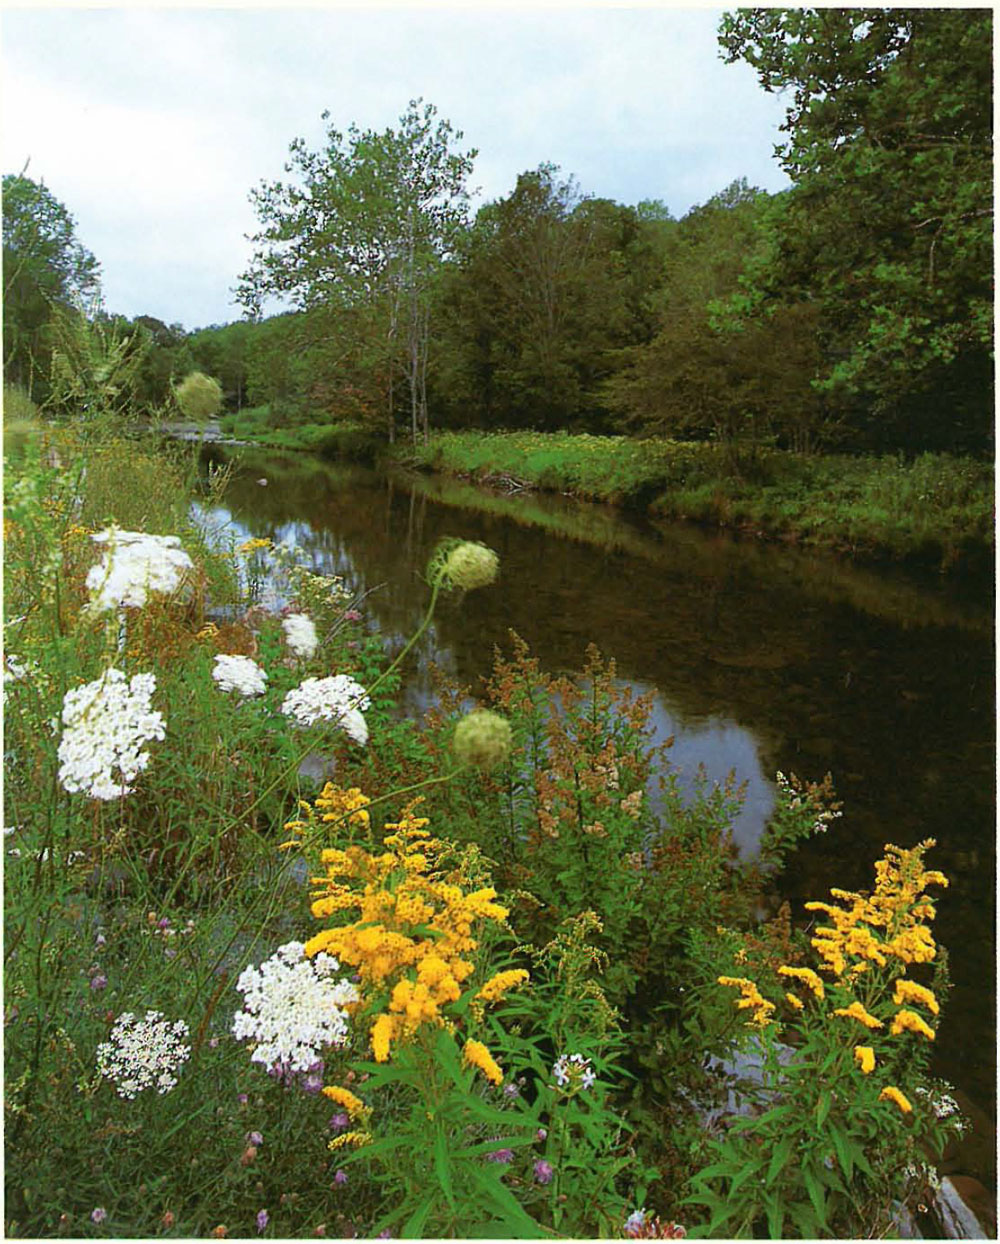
{"x":850,"y":313}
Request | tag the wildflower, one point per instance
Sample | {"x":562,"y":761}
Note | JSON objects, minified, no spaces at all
{"x":541,"y":1134}
{"x":263,"y":1218}
{"x":910,"y":991}
{"x":344,"y":1097}
{"x":135,"y":565}
{"x":350,"y":1138}
{"x":795,"y":1002}
{"x":807,"y":976}
{"x":100,"y":981}
{"x":858,"y":1012}
{"x":300,"y":634}
{"x":750,"y":999}
{"x":573,"y":1070}
{"x":338,"y":699}
{"x":98,"y":1214}
{"x":865,"y":1056}
{"x":248,"y":1155}
{"x":242,"y":1098}
{"x":910,"y":1021}
{"x":340,"y":1177}
{"x":465,"y":564}
{"x":889,"y":1093}
{"x":501,"y":1155}
{"x":479,"y":1056}
{"x":338,"y":1121}
{"x":293,"y":1007}
{"x":143,"y":1053}
{"x":482,"y":739}
{"x":220,"y":1232}
{"x":635,"y":1222}
{"x":253,"y":544}
{"x":543,"y":1172}
{"x":107,"y":722}
{"x":168,"y":1220}
{"x":498,"y":985}
{"x":240,"y":674}
{"x":255,"y":1138}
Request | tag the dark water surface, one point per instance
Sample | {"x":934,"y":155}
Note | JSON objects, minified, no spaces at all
{"x":763,"y":658}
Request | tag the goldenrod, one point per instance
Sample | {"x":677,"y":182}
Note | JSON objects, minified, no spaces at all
{"x":866,"y":1058}
{"x":909,"y":1021}
{"x":858,"y":1012}
{"x":890,"y":1093}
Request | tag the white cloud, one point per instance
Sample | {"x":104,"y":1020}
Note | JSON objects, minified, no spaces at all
{"x":152,"y":126}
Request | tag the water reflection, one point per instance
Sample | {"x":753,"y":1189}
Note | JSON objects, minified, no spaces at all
{"x":762,"y":658}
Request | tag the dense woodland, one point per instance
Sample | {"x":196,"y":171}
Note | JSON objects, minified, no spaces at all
{"x":851,"y":312}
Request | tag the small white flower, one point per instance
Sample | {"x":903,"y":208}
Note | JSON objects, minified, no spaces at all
{"x":300,"y":632}
{"x":293,"y":1008}
{"x":134,"y":565}
{"x":143,"y":1053}
{"x":338,"y":699}
{"x":241,"y":674}
{"x":574,"y":1069}
{"x":107,"y":721}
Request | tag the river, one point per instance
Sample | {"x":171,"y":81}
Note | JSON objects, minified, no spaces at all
{"x":762,"y":658}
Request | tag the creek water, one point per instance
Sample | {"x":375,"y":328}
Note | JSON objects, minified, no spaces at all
{"x":762,"y":658}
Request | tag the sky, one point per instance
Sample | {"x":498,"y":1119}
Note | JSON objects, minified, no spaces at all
{"x":152,"y":125}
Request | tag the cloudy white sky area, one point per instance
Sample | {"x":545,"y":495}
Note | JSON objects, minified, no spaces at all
{"x":153,"y":125}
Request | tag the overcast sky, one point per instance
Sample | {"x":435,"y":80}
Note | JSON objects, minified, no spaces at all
{"x":152,"y":125}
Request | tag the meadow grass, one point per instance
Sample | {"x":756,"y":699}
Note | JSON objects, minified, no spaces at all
{"x":938,"y":507}
{"x":534,"y":981}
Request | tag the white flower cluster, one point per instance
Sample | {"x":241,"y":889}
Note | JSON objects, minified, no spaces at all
{"x":293,"y":1008}
{"x":241,"y":674}
{"x":143,"y":1053}
{"x":107,"y":721}
{"x":300,"y":632}
{"x":15,"y":670}
{"x":134,"y":565}
{"x":339,"y":699}
{"x":574,"y":1068}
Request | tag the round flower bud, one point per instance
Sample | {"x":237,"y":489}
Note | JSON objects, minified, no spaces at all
{"x":462,"y":563}
{"x":482,"y":739}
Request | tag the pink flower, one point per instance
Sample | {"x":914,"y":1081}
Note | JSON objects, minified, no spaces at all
{"x":99,"y":1214}
{"x":340,"y":1177}
{"x":262,"y":1220}
{"x":543,"y":1171}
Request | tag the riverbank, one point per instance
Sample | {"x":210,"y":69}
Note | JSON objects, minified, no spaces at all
{"x":938,"y":508}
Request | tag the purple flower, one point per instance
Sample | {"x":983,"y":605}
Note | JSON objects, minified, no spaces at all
{"x":541,"y":1134}
{"x":213,"y":1043}
{"x":543,"y":1171}
{"x":100,"y":981}
{"x":384,"y":1235}
{"x":100,"y":941}
{"x":511,"y":1090}
{"x":164,"y":923}
{"x":635,"y":1222}
{"x":339,"y":1122}
{"x":352,"y":615}
{"x":340,"y":1177}
{"x":501,"y":1155}
{"x":99,"y":1214}
{"x":242,"y":1098}
{"x":262,"y":1220}
{"x":254,"y":1138}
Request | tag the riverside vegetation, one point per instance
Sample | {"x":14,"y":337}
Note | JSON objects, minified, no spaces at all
{"x":476,"y":982}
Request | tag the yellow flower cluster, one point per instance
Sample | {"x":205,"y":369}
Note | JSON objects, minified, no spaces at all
{"x":479,"y":1056}
{"x":858,"y":1012}
{"x":886,"y":924}
{"x":890,"y":1093}
{"x":865,"y":1056}
{"x":750,"y":999}
{"x":413,"y":927}
{"x":807,"y":976}
{"x":335,"y":805}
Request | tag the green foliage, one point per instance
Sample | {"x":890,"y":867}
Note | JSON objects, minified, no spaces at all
{"x":45,"y":267}
{"x":199,"y":396}
{"x":364,"y":235}
{"x":96,"y":368}
{"x":888,"y":227}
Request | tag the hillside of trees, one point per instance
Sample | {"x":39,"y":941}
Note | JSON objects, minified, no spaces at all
{"x":852,"y":312}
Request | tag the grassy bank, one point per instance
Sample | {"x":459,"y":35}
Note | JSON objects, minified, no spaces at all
{"x":330,"y":440}
{"x":938,"y":507}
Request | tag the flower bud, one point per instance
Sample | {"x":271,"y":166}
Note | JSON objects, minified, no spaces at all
{"x":482,"y":739}
{"x":465,"y":564}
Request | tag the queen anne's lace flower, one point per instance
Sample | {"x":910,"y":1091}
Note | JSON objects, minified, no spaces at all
{"x":293,"y":1008}
{"x":134,"y":565}
{"x":143,"y":1053}
{"x":241,"y":674}
{"x":107,"y":721}
{"x":339,"y":699}
{"x":300,"y":632}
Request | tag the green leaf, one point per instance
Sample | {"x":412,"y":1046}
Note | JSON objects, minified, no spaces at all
{"x":442,"y":1166}
{"x":775,"y":1217}
{"x":511,"y":1212}
{"x":843,"y":1147}
{"x":413,"y":1228}
{"x":779,"y":1158}
{"x":816,"y":1195}
{"x":823,"y":1107}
